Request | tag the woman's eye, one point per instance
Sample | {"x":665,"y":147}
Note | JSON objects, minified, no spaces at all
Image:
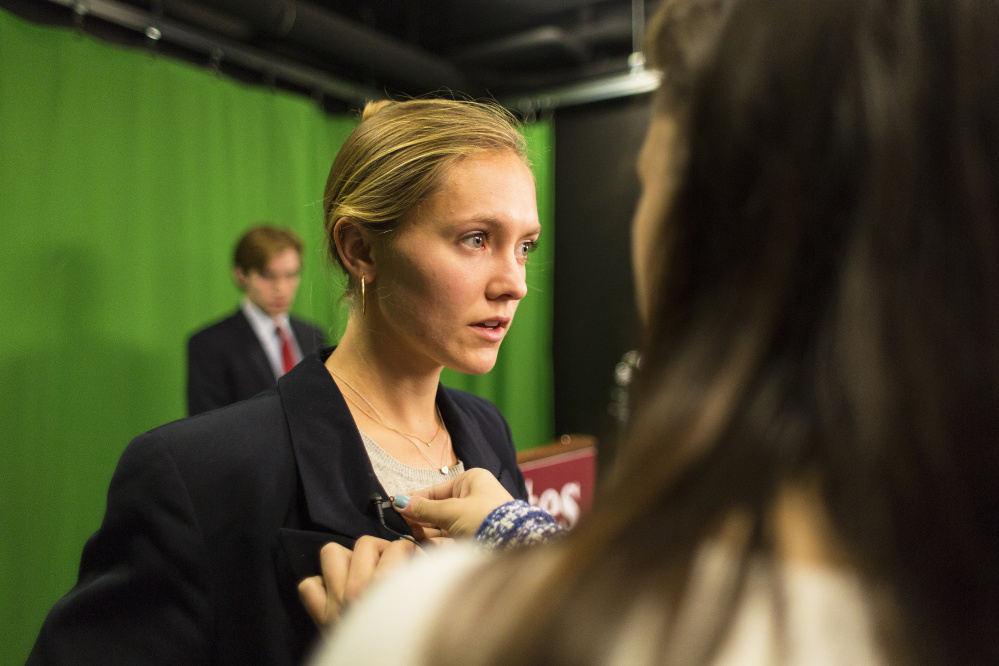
{"x":475,"y":241}
{"x":526,"y":248}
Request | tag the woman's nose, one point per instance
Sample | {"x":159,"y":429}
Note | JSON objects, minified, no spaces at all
{"x":509,"y":280}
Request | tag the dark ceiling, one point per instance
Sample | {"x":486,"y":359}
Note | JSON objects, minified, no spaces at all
{"x":347,"y":48}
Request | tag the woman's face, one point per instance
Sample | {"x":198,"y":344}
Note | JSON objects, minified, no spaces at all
{"x":654,"y":174}
{"x":449,"y":279}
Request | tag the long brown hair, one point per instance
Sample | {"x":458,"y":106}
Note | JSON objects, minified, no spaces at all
{"x":827,"y":308}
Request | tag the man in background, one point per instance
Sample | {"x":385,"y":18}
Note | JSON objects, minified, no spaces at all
{"x":245,"y":353}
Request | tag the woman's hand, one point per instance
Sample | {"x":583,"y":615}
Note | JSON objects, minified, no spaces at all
{"x":456,"y":507}
{"x":346,"y":574}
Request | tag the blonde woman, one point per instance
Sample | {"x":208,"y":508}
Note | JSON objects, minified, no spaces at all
{"x":212,"y":521}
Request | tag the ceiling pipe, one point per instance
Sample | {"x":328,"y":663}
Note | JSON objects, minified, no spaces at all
{"x":534,"y":46}
{"x":587,"y":92}
{"x":324,"y":32}
{"x":219,"y":49}
{"x":570,"y":45}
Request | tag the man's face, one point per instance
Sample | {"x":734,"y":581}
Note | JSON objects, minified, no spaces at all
{"x":273,"y":290}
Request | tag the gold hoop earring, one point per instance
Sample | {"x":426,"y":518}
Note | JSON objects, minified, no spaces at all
{"x":362,"y":294}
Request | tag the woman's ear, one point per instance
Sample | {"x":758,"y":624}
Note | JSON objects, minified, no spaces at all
{"x":353,"y":243}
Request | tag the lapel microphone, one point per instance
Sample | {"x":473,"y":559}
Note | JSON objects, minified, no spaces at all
{"x":379,"y":505}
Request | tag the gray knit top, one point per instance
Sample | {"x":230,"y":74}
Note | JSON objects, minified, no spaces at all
{"x":400,"y":479}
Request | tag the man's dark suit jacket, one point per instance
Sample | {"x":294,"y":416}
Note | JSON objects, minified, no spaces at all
{"x":213,"y":520}
{"x":226,"y":362}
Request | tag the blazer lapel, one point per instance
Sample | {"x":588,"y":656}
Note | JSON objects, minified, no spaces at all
{"x":337,"y":478}
{"x":338,"y":481}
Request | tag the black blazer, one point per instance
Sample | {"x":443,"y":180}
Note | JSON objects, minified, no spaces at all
{"x":226,"y":362}
{"x":213,"y":520}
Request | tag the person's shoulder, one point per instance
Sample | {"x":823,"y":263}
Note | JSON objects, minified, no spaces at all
{"x":234,"y":467}
{"x":244,"y":432}
{"x":217,"y":327}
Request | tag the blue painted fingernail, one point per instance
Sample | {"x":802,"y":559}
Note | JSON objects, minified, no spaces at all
{"x":400,"y":501}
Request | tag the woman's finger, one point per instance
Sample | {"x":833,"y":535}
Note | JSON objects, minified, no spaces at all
{"x":335,"y":562}
{"x":373,"y":557}
{"x":367,"y":553}
{"x":395,"y":554}
{"x":457,"y":506}
{"x":424,"y":532}
{"x":442,"y":490}
{"x":312,"y":592}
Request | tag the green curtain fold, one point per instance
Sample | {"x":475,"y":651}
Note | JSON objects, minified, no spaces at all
{"x":125,"y":179}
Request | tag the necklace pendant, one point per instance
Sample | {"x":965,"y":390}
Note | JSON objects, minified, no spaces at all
{"x":444,"y":469}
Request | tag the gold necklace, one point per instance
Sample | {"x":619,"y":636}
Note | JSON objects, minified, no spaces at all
{"x":385,"y":421}
{"x":444,"y":449}
{"x":408,"y":436}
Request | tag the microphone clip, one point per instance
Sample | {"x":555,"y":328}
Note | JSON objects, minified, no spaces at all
{"x":379,"y":504}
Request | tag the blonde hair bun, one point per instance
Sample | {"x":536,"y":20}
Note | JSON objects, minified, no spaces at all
{"x":371,"y":108}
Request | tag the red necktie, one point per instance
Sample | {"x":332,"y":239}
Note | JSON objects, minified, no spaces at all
{"x":287,"y":353}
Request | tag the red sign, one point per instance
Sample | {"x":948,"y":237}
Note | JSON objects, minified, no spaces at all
{"x":562,"y":482}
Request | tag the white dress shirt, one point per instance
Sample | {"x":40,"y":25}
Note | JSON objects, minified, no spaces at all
{"x":264,"y":327}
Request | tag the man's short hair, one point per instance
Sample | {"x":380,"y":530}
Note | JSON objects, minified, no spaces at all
{"x":261,"y":244}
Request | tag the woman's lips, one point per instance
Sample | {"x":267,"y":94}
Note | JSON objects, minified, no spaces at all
{"x":492,"y":330}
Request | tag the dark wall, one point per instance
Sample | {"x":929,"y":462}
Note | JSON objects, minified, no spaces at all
{"x":596,"y":189}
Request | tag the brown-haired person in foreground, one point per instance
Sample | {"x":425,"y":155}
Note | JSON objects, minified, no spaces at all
{"x":240,"y":356}
{"x":812,"y":471}
{"x":212,"y":521}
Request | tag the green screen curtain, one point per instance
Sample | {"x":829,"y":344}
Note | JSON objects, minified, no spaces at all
{"x":125,"y":179}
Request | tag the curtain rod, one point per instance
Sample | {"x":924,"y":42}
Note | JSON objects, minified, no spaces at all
{"x":219,"y":49}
